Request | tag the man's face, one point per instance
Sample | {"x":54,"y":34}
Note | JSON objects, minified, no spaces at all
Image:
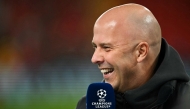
{"x":114,"y":55}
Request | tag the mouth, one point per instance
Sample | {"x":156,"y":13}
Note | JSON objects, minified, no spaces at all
{"x":107,"y":71}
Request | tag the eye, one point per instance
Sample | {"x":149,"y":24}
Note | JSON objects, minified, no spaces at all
{"x":106,"y":48}
{"x":94,"y":46}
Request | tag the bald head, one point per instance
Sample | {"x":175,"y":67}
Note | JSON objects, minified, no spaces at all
{"x":135,"y":22}
{"x":127,"y":42}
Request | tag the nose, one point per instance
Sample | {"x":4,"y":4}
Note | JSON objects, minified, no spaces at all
{"x":97,"y":57}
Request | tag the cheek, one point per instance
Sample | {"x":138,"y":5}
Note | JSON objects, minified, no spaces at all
{"x":129,"y":59}
{"x":116,"y":60}
{"x":125,"y":64}
{"x":111,"y":58}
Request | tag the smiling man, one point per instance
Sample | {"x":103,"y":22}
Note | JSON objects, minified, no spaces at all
{"x":144,"y":70}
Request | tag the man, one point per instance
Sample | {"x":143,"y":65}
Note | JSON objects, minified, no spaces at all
{"x":145,"y":72}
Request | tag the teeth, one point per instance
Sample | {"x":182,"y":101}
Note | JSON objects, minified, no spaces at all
{"x":106,"y":71}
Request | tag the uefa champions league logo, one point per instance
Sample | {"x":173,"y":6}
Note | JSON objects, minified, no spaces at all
{"x":102,"y":103}
{"x":101,"y":93}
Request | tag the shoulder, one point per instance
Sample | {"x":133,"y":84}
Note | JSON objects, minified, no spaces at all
{"x":81,"y":103}
{"x":185,"y":85}
{"x":183,"y":91}
{"x":181,"y":96}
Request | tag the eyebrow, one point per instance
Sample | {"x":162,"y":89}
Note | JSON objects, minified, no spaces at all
{"x":101,"y":44}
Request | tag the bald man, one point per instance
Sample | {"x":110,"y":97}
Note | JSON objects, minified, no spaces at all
{"x":143,"y":69}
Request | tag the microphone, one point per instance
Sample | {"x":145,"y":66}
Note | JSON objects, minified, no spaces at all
{"x":100,"y":96}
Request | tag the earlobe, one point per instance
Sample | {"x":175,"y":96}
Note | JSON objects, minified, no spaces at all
{"x":142,"y":51}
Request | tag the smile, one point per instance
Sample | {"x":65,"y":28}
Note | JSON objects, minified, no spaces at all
{"x":107,"y":71}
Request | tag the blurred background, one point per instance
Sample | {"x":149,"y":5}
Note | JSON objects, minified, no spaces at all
{"x":45,"y":47}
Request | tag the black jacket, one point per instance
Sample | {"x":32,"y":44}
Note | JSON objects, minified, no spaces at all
{"x":169,"y":88}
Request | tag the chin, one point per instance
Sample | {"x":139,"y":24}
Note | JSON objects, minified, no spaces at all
{"x":112,"y":84}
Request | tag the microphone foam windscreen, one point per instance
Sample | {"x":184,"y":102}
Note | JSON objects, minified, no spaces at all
{"x":100,"y":96}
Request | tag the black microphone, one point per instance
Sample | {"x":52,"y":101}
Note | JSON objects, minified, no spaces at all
{"x":100,"y":96}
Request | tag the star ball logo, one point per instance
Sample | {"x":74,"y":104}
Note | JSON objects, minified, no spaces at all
{"x":101,"y":93}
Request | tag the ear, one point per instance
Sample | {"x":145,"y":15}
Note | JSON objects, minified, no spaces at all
{"x":142,"y":51}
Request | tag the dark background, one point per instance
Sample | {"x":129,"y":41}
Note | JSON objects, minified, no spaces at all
{"x":45,"y":47}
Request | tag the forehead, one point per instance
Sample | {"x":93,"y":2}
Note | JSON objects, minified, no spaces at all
{"x":110,"y":32}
